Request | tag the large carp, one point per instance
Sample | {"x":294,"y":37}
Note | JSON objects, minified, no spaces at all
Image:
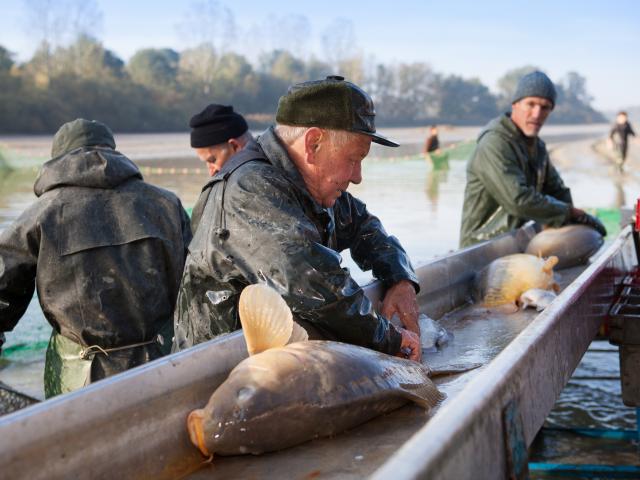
{"x":286,"y":395}
{"x":505,"y":279}
{"x":572,"y":244}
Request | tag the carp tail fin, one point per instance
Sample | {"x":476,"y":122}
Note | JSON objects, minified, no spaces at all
{"x":266,"y":318}
{"x":425,"y":394}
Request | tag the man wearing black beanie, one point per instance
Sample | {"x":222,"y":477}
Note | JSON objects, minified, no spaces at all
{"x":217,"y":133}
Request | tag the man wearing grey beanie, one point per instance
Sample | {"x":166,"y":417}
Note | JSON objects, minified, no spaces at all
{"x":510,"y":178}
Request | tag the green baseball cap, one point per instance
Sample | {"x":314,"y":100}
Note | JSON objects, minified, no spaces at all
{"x":330,"y":103}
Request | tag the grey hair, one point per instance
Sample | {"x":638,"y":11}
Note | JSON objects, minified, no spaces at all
{"x":290,"y":133}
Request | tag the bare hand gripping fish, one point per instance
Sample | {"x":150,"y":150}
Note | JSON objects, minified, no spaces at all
{"x":283,"y":395}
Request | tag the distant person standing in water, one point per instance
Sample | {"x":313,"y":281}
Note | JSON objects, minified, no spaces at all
{"x":510,"y":179}
{"x":433,"y":143}
{"x":618,"y":137}
{"x":217,"y":134}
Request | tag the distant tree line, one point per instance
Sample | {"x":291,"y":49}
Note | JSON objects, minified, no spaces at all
{"x":158,"y":89}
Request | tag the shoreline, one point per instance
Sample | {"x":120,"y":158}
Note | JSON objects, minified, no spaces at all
{"x":24,"y":151}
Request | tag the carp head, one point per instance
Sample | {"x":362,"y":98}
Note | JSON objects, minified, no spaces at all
{"x":239,"y":413}
{"x":243,"y":411}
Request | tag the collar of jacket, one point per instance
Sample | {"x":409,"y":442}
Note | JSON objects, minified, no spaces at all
{"x":505,"y":126}
{"x":277,"y":155}
{"x":515,"y":131}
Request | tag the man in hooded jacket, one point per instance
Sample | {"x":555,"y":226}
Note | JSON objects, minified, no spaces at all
{"x":510,"y":179}
{"x":105,"y":251}
{"x":278,"y":213}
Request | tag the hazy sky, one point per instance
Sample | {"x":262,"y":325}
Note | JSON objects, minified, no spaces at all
{"x":598,"y":39}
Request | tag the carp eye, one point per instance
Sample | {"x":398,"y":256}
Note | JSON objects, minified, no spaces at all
{"x":245,"y":393}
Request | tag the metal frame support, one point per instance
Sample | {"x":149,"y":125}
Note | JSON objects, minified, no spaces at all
{"x":515,"y":445}
{"x":590,"y":470}
{"x":586,"y":471}
{"x":636,"y":231}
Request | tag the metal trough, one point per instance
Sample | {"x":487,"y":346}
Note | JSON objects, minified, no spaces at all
{"x":133,"y":425}
{"x":476,"y":434}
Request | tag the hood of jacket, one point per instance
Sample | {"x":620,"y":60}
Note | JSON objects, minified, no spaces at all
{"x":90,"y":167}
{"x":503,"y":126}
{"x":81,"y":133}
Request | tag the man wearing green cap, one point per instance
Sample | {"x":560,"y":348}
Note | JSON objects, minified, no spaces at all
{"x":105,"y":252}
{"x":510,"y":179}
{"x":278,"y":213}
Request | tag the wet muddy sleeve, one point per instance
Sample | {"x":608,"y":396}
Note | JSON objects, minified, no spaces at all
{"x":500,"y":173}
{"x":18,"y":259}
{"x":271,"y":238}
{"x":370,"y":245}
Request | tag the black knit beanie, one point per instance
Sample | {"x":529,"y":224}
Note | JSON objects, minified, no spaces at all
{"x":216,"y":124}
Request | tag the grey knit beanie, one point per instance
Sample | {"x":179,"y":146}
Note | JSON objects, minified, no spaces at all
{"x":535,"y":84}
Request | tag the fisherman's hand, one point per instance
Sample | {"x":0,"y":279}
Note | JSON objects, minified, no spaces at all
{"x":576,"y":213}
{"x":410,"y":346}
{"x":589,"y":220}
{"x":401,"y":299}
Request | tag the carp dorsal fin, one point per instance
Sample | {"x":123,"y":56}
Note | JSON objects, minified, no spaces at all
{"x":549,"y":264}
{"x":425,"y":394}
{"x":265,"y":317}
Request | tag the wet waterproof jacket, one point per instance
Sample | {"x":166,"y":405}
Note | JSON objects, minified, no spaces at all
{"x":510,"y":180}
{"x":258,"y":223}
{"x":105,"y":251}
